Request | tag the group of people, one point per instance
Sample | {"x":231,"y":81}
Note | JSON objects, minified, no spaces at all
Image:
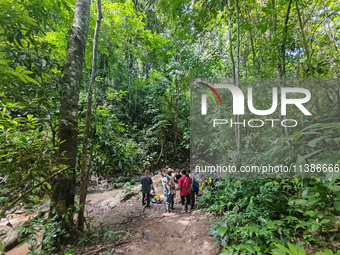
{"x":182,"y":180}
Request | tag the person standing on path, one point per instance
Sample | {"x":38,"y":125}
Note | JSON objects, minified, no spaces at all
{"x":172,"y":189}
{"x":184,"y":185}
{"x":146,"y":182}
{"x":177,"y":176}
{"x":194,"y":188}
{"x":166,"y":189}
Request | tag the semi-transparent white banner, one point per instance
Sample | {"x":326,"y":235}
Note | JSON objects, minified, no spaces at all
{"x":265,"y":127}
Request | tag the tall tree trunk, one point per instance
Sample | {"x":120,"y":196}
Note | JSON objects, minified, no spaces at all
{"x":304,"y":40}
{"x":308,"y":56}
{"x":283,"y":52}
{"x":235,"y":71}
{"x":231,"y":42}
{"x":237,"y":78}
{"x":84,"y":166}
{"x":64,"y":186}
{"x":257,"y":64}
{"x":338,"y":96}
{"x":283,"y":45}
{"x":282,"y":59}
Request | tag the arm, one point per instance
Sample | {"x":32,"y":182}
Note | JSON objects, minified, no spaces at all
{"x":179,"y":182}
{"x":172,"y":181}
{"x":151,"y":186}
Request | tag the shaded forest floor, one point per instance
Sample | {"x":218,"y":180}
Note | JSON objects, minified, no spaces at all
{"x":152,"y":232}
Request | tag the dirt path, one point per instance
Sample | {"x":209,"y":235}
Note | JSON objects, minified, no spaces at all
{"x":153,"y":232}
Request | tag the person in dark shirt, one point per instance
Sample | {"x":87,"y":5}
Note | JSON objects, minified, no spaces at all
{"x":146,"y":182}
{"x":177,"y":177}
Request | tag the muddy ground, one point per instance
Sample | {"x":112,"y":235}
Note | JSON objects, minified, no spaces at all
{"x":151,"y":232}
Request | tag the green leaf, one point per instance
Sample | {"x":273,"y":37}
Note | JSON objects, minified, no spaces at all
{"x":324,"y":221}
{"x":19,"y":69}
{"x":282,"y":248}
{"x":313,"y":142}
{"x":337,"y":205}
{"x":292,"y":248}
{"x":22,"y":78}
{"x":30,"y":79}
{"x":325,"y":252}
{"x":36,"y":199}
{"x":48,"y":185}
{"x":315,"y":227}
{"x":301,"y":252}
{"x":329,"y":159}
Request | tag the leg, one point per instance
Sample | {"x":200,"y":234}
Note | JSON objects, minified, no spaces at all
{"x":169,"y":202}
{"x":143,"y":202}
{"x":183,"y":200}
{"x":172,"y":201}
{"x":183,"y":203}
{"x":192,"y":199}
{"x":148,"y":199}
{"x":187,"y":198}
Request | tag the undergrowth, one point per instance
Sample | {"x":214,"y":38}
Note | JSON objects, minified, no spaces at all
{"x":260,"y":216}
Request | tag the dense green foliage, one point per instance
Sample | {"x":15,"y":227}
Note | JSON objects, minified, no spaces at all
{"x":258,"y":213}
{"x":148,"y":53}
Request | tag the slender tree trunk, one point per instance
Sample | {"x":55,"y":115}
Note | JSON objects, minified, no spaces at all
{"x":304,"y":40}
{"x":94,"y":129}
{"x":282,"y":59}
{"x":274,"y":19}
{"x":63,"y":192}
{"x":237,"y":78}
{"x":257,"y":64}
{"x":235,"y":71}
{"x":338,"y":96}
{"x":84,"y":166}
{"x":176,"y":116}
{"x":283,"y":45}
{"x":308,"y":56}
{"x":283,"y":53}
{"x":231,"y":42}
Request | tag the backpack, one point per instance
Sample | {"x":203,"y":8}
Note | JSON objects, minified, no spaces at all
{"x":156,"y":199}
{"x":195,"y":186}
